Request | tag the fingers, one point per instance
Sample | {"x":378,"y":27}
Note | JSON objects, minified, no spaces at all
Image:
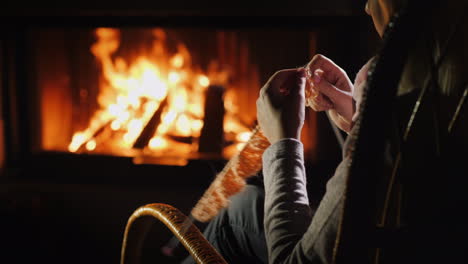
{"x":330,"y":84}
{"x":341,"y":100}
{"x":319,"y":103}
{"x":334,"y":74}
{"x":280,"y":107}
{"x":315,"y":99}
{"x":329,"y":90}
{"x":296,"y":83}
{"x":277,"y":80}
{"x":282,"y":84}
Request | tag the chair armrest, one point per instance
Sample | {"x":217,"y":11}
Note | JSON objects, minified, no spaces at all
{"x":192,"y":239}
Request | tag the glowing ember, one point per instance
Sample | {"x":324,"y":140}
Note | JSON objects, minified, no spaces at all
{"x":77,"y":140}
{"x":244,"y":136}
{"x":204,"y":81}
{"x":115,"y":125}
{"x":240,"y":146}
{"x":177,"y":61}
{"x":91,"y":145}
{"x":157,"y":143}
{"x":132,"y":92}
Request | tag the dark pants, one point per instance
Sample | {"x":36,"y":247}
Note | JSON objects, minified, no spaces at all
{"x":237,"y":232}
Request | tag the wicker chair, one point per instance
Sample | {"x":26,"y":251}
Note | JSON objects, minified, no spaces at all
{"x":188,"y":234}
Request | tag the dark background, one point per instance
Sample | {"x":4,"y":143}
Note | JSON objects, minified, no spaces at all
{"x":58,"y":207}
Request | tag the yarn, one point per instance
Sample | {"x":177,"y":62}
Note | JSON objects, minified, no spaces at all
{"x":231,"y":179}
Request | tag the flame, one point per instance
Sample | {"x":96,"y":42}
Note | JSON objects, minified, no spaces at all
{"x":157,"y":143}
{"x":177,"y":61}
{"x":244,"y":136}
{"x":132,"y":91}
{"x":174,"y":77}
{"x":78,"y":139}
{"x":91,"y":145}
{"x":203,"y":81}
{"x":116,"y":125}
{"x":240,"y":146}
{"x":183,"y":125}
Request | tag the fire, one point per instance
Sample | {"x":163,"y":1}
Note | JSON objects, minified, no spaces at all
{"x":204,"y":81}
{"x":157,"y":143}
{"x":91,"y":145}
{"x":152,"y":85}
{"x":177,"y":61}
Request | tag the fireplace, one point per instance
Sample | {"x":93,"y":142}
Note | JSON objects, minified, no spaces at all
{"x":152,"y":94}
{"x":159,"y":95}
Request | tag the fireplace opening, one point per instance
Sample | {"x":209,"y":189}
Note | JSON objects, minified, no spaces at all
{"x":157,"y":95}
{"x":142,"y":93}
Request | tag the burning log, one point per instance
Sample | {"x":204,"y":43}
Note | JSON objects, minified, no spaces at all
{"x":212,"y":133}
{"x":81,"y":140}
{"x":181,"y":139}
{"x":150,"y":128}
{"x":97,"y":133}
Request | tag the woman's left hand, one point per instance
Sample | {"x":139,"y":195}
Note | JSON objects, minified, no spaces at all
{"x":281,"y":105}
{"x":333,"y":91}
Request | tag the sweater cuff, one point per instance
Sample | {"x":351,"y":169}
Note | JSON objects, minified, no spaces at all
{"x":286,"y":147}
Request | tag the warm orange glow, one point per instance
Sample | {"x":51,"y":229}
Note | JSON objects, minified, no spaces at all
{"x":135,"y":126}
{"x":177,"y":61}
{"x":91,"y":145}
{"x":243,"y":136}
{"x":132,"y":91}
{"x":229,"y":102}
{"x":78,"y":139}
{"x":116,"y":110}
{"x":127,"y":138}
{"x":115,"y":125}
{"x":203,"y":81}
{"x":157,"y":143}
{"x":180,"y":101}
{"x":174,"y":77}
{"x":197,"y":126}
{"x":183,"y":125}
{"x":169,"y":117}
{"x":233,"y":126}
{"x":240,"y":146}
{"x":195,"y":109}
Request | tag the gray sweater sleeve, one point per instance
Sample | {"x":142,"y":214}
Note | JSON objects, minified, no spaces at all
{"x":292,"y":235}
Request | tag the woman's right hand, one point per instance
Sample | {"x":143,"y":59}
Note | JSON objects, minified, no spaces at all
{"x":281,"y":105}
{"x":331,"y":90}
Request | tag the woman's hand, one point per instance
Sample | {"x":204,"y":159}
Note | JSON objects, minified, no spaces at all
{"x":281,"y":105}
{"x":331,"y":90}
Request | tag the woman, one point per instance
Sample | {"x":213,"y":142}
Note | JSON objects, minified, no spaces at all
{"x":292,"y":234}
{"x":238,"y":231}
